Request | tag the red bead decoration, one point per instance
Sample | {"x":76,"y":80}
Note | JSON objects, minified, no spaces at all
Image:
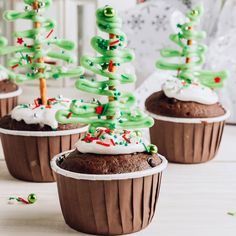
{"x":217,"y":80}
{"x":69,"y":115}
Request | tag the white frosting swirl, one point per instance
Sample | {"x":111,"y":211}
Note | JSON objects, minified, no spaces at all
{"x":40,"y":114}
{"x":175,"y":88}
{"x":114,"y":142}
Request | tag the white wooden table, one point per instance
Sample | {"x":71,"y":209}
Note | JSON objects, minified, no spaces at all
{"x":194,"y":201}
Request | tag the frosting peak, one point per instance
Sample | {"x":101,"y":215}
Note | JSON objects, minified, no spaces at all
{"x":195,"y":92}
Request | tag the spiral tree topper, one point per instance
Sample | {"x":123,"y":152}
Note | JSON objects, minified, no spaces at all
{"x":32,"y":56}
{"x":117,"y":113}
{"x":187,"y":39}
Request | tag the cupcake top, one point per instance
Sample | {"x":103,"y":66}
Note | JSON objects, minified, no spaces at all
{"x":195,"y":92}
{"x":109,"y":142}
{"x":114,"y":126}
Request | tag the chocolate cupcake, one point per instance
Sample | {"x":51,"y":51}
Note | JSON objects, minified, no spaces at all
{"x":31,"y":135}
{"x":36,"y":136}
{"x":189,"y":120}
{"x":109,"y":194}
{"x":110,"y":184}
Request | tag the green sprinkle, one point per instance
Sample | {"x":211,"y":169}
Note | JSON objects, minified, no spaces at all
{"x":231,"y":213}
{"x":56,"y":76}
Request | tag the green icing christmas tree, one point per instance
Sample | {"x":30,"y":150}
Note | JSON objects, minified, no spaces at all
{"x":119,"y":112}
{"x":35,"y":46}
{"x":192,"y":52}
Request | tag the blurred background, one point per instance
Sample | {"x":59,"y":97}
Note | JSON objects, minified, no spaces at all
{"x":148,"y":24}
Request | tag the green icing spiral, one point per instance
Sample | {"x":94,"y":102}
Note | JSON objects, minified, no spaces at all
{"x":191,"y":71}
{"x":39,"y":39}
{"x":113,"y":52}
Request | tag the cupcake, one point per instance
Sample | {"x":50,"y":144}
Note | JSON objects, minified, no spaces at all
{"x":32,"y":128}
{"x":9,"y":91}
{"x":110,"y":183}
{"x":189,"y":120}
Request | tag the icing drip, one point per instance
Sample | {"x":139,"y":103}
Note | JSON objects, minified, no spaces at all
{"x":105,"y":141}
{"x":40,"y":114}
{"x":195,"y":92}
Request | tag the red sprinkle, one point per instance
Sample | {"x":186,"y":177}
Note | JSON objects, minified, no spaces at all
{"x":99,"y":110}
{"x":108,"y":131}
{"x":23,"y":200}
{"x":114,"y":42}
{"x":69,"y":115}
{"x":103,"y":144}
{"x":217,"y":80}
{"x":52,"y":100}
{"x":48,"y":106}
{"x":29,"y":46}
{"x":99,"y":134}
{"x":112,"y":141}
{"x":87,"y":138}
{"x":110,"y":67}
{"x":50,"y":62}
{"x":30,"y":59}
{"x":126,"y":131}
{"x":49,"y":34}
{"x":13,"y":67}
{"x":36,"y":102}
{"x":124,"y":137}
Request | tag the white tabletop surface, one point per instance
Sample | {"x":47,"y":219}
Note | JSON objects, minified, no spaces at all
{"x":194,"y":201}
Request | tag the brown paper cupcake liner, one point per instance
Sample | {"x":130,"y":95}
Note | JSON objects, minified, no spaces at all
{"x":108,"y":204}
{"x":8,"y":101}
{"x":28,"y":157}
{"x":186,"y":142}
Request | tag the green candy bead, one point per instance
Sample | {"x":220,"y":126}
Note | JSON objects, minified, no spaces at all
{"x":109,"y":12}
{"x":152,"y":149}
{"x":195,"y":13}
{"x":32,"y":198}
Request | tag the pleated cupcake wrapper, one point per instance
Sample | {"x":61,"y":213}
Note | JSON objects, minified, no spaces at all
{"x":8,"y":101}
{"x":183,"y":141}
{"x":108,"y":204}
{"x":28,"y":156}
